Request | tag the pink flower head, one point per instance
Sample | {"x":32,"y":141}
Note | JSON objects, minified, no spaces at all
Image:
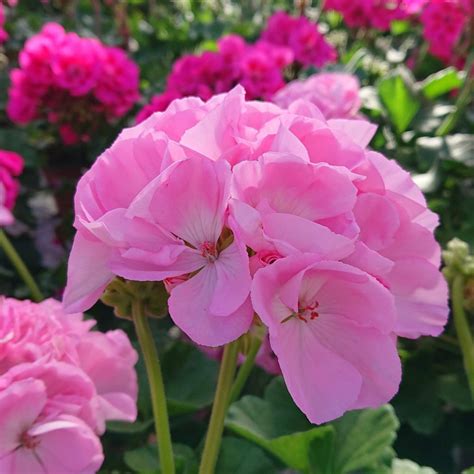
{"x":11,"y":166}
{"x":229,"y":197}
{"x":377,"y":14}
{"x":299,"y":299}
{"x":3,"y":33}
{"x":72,"y":82}
{"x":444,"y":22}
{"x":30,"y":332}
{"x":335,"y":94}
{"x":302,"y":36}
{"x":35,"y":439}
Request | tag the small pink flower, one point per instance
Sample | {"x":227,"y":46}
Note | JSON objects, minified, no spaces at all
{"x":327,"y":344}
{"x":35,"y":440}
{"x":335,"y":94}
{"x":11,"y":166}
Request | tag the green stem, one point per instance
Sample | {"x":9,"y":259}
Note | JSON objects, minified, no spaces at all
{"x":157,"y":388}
{"x":245,"y":369}
{"x":463,"y":100}
{"x":20,"y":267}
{"x":219,"y":409}
{"x":463,"y":330}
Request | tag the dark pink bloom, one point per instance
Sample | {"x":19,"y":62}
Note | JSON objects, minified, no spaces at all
{"x":11,"y":166}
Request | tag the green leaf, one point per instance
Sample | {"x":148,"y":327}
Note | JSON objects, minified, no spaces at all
{"x":129,"y":428}
{"x":397,"y":95}
{"x":276,"y":424}
{"x":458,"y":147}
{"x":238,"y":456}
{"x":468,"y":471}
{"x":405,"y":466}
{"x":453,"y":389}
{"x":363,"y":437}
{"x":190,"y":378}
{"x":441,"y":82}
{"x":145,"y":460}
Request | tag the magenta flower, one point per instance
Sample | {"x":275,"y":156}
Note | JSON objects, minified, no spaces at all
{"x":11,"y":166}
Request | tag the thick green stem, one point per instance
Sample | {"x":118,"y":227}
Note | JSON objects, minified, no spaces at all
{"x":157,"y":388}
{"x":20,"y":267}
{"x":463,"y":330}
{"x":219,"y":409}
{"x":245,"y":369}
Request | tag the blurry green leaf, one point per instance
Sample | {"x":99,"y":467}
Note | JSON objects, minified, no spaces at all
{"x":405,"y":466}
{"x":400,"y":27}
{"x":129,"y":428}
{"x":453,"y":389}
{"x":145,"y":460}
{"x":399,"y":99}
{"x":190,"y":378}
{"x":468,"y":471}
{"x":276,"y":424}
{"x":458,"y":147}
{"x":363,"y":437}
{"x":441,"y":82}
{"x":238,"y":456}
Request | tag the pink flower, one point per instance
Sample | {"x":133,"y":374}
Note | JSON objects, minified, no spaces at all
{"x":35,"y":438}
{"x":11,"y":166}
{"x":300,"y":35}
{"x":332,"y":229}
{"x":56,"y":68}
{"x":158,"y":103}
{"x":443,"y":24}
{"x":299,"y":299}
{"x":3,"y":33}
{"x":335,"y":94}
{"x":377,"y":14}
{"x":30,"y":332}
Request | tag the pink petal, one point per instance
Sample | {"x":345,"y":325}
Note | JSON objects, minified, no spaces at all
{"x":189,"y":307}
{"x":88,"y":274}
{"x":188,"y":199}
{"x":360,"y":131}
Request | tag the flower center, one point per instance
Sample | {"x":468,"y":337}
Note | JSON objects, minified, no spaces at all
{"x":209,"y":251}
{"x":305,"y":313}
{"x":28,"y":441}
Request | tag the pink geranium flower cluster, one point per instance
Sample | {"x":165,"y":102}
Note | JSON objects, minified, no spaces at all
{"x":258,"y":67}
{"x":377,"y":14}
{"x":3,"y":33}
{"x":11,"y":166}
{"x":59,"y":383}
{"x":335,"y":94}
{"x":73,"y":82}
{"x":247,"y":208}
{"x":445,"y":28}
{"x":302,"y":36}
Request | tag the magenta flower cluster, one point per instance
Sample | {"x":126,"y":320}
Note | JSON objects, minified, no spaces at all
{"x":11,"y":166}
{"x":59,"y":383}
{"x":446,"y":26}
{"x":243,"y":208}
{"x":96,"y":82}
{"x":258,"y":67}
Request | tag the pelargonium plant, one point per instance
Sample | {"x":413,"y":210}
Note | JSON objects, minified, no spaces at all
{"x":248,"y":218}
{"x":72,"y":82}
{"x":59,"y":383}
{"x":260,"y":67}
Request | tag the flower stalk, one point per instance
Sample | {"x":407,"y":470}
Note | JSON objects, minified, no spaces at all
{"x":157,"y":388}
{"x":20,"y":267}
{"x":219,"y":408}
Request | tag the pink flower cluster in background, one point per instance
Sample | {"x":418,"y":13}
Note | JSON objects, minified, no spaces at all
{"x":59,"y":383}
{"x":335,"y":94}
{"x":72,"y":82}
{"x":302,"y":36}
{"x":377,"y":14}
{"x":258,"y":67}
{"x":445,"y":28}
{"x":11,"y":166}
{"x":3,"y":33}
{"x":244,"y":208}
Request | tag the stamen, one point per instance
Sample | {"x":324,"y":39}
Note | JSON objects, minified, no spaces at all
{"x":209,"y":251}
{"x":28,"y":441}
